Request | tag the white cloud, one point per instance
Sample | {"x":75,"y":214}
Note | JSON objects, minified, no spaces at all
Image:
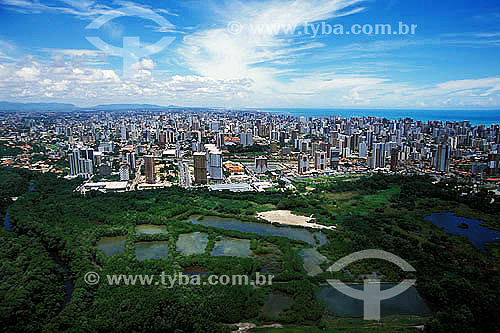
{"x":69,"y":82}
{"x":7,"y":51}
{"x":76,"y":52}
{"x":85,"y":85}
{"x":219,"y":54}
{"x":28,"y":73}
{"x":82,"y":9}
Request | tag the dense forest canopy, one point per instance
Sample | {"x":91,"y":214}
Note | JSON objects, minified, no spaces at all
{"x":458,"y":281}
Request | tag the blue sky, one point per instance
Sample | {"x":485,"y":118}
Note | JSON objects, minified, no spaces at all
{"x":452,"y":60}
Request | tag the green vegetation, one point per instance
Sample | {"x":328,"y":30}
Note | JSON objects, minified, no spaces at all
{"x":459,"y":282}
{"x":31,"y":284}
{"x":6,"y":151}
{"x":386,"y":324}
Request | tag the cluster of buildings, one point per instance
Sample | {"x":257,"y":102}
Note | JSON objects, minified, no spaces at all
{"x":228,"y":149}
{"x":398,"y":145}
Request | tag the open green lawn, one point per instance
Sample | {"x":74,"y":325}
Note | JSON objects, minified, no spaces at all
{"x":354,"y":202}
{"x":303,"y":184}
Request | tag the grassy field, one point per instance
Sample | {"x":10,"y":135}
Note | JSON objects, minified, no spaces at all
{"x":354,"y":202}
{"x":309,"y":184}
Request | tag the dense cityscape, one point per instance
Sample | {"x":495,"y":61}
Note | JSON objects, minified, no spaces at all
{"x":241,"y":150}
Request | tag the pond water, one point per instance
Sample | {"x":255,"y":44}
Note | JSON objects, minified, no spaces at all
{"x":321,"y":237}
{"x":150,"y":229}
{"x":407,"y":303}
{"x":151,"y":250}
{"x":112,"y":245}
{"x":6,"y":222}
{"x":312,"y":260}
{"x":475,"y":233}
{"x":192,"y":243}
{"x":232,"y":247}
{"x":260,"y":229}
{"x":276,"y":304}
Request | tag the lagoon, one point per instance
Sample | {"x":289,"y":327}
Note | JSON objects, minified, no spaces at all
{"x":475,"y":233}
{"x":150,"y":229}
{"x":112,"y":245}
{"x":260,"y":229}
{"x":151,"y":250}
{"x":232,"y":247}
{"x":407,"y":303}
{"x":312,"y":260}
{"x":192,"y":243}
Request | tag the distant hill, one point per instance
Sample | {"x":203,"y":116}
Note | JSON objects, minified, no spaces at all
{"x":8,"y":106}
{"x":125,"y":106}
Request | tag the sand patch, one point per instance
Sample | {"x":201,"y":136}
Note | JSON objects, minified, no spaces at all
{"x":286,"y":217}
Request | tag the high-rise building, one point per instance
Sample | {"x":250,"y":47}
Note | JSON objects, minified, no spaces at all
{"x":377,"y":159}
{"x":363,"y":150}
{"x":196,"y":135}
{"x":304,"y":146}
{"x":493,"y":164}
{"x":219,"y":140}
{"x":442,"y":158}
{"x":246,"y":139}
{"x":334,"y":158}
{"x":162,"y":139}
{"x":261,"y":165}
{"x":124,"y":172}
{"x":200,"y":168}
{"x":106,"y":147}
{"x":303,"y":165}
{"x":81,"y":162}
{"x":214,"y":126}
{"x":320,"y":160}
{"x":131,"y":160}
{"x":394,"y":159}
{"x":214,"y":163}
{"x":149,"y":169}
{"x":314,"y":147}
{"x":123,"y":133}
{"x":87,"y":168}
{"x":195,"y":147}
{"x":178,"y":151}
{"x":87,"y":153}
{"x":74,"y":160}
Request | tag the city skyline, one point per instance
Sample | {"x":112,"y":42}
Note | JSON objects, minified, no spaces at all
{"x":45,"y":55}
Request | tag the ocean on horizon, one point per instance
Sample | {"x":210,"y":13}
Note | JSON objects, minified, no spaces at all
{"x":475,"y":117}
